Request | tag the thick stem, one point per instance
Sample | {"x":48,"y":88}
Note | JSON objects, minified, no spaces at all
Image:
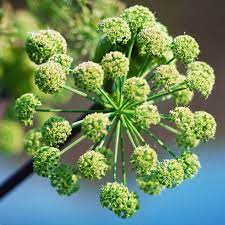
{"x":110,"y":101}
{"x":123,"y":163}
{"x":71,"y":110}
{"x":169,"y":128}
{"x":144,"y":66}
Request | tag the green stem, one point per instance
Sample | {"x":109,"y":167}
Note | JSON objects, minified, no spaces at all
{"x":144,"y":65}
{"x":117,"y":138}
{"x":123,"y":163}
{"x":169,"y":128}
{"x":105,"y":94}
{"x":70,"y":110}
{"x":131,"y":47}
{"x":76,"y":124}
{"x":73,"y":144}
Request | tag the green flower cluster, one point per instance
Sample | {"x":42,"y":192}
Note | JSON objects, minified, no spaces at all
{"x":134,"y":69}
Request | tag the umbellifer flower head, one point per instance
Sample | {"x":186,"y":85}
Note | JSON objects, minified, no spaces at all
{"x":25,"y":108}
{"x":33,"y":141}
{"x":152,"y":41}
{"x":45,"y":160}
{"x":147,"y":114}
{"x":138,"y":17}
{"x":92,"y":165}
{"x":166,"y":76}
{"x":88,"y":76}
{"x":185,"y":48}
{"x":205,"y":125}
{"x":63,"y":59}
{"x":170,"y":173}
{"x":136,"y":89}
{"x":117,"y":198}
{"x":115,"y":29}
{"x":190,"y":164}
{"x":115,"y":64}
{"x":183,"y":118}
{"x":64,"y":179}
{"x":41,"y":45}
{"x":95,"y":126}
{"x":55,"y":131}
{"x":187,"y":140}
{"x":143,"y":160}
{"x":149,"y":185}
{"x":50,"y":77}
{"x":200,"y":77}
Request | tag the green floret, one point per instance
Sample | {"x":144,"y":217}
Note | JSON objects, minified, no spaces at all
{"x":64,"y":179}
{"x":117,"y":198}
{"x":152,"y":41}
{"x":115,"y":64}
{"x":166,"y":76}
{"x":190,"y":164}
{"x":185,"y":48}
{"x":136,"y":89}
{"x":107,"y":152}
{"x":170,"y":173}
{"x":11,"y":137}
{"x":33,"y":141}
{"x":95,"y":126}
{"x":92,"y":165}
{"x":143,"y":160}
{"x":183,"y":118}
{"x":115,"y":29}
{"x":50,"y":77}
{"x":25,"y":108}
{"x":45,"y":160}
{"x":205,"y":126}
{"x":41,"y":45}
{"x":138,"y":17}
{"x":187,"y":140}
{"x":146,"y":114}
{"x":63,"y":59}
{"x":88,"y":76}
{"x":149,"y":185}
{"x":183,"y":97}
{"x":200,"y":78}
{"x":55,"y":131}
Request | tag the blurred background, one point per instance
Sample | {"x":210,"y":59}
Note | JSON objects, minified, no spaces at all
{"x":196,"y":202}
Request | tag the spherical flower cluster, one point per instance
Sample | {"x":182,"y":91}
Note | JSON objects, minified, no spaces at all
{"x":41,"y":45}
{"x":138,"y":17}
{"x":147,"y":114}
{"x":55,"y":131}
{"x":190,"y":164}
{"x":50,"y":77}
{"x":170,"y":173}
{"x":63,"y":59}
{"x":95,"y":126}
{"x":64,"y":179}
{"x":185,"y":48}
{"x":115,"y":64}
{"x":205,"y":125}
{"x":200,"y":77}
{"x":152,"y":41}
{"x":117,"y":198}
{"x":45,"y":160}
{"x":166,"y":76}
{"x":33,"y":141}
{"x":187,"y":140}
{"x":25,"y":108}
{"x":115,"y":29}
{"x":92,"y":165}
{"x":136,"y":89}
{"x":143,"y":160}
{"x":149,"y":185}
{"x":183,"y":118}
{"x":88,"y":76}
{"x":11,"y":136}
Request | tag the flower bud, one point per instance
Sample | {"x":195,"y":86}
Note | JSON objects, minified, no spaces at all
{"x":55,"y":131}
{"x":25,"y":108}
{"x":92,"y":165}
{"x":88,"y":76}
{"x":136,"y":89}
{"x":117,"y":198}
{"x":115,"y":64}
{"x":41,"y":45}
{"x":50,"y":77}
{"x":95,"y":126}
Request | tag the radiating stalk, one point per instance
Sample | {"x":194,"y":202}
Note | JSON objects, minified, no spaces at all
{"x":169,"y":128}
{"x":71,"y":110}
{"x":123,"y":163}
{"x":110,"y":101}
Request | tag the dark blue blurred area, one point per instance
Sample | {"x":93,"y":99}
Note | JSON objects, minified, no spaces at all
{"x":200,"y":201}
